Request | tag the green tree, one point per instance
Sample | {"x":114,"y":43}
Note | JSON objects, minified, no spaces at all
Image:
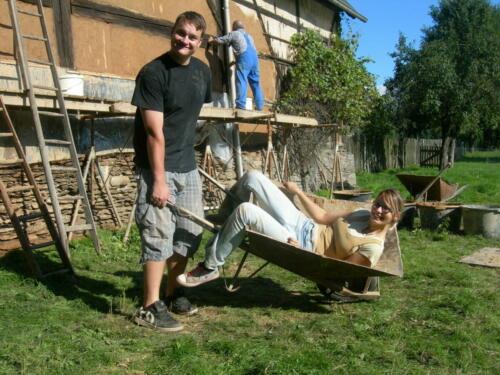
{"x":329,"y":83}
{"x":449,"y":87}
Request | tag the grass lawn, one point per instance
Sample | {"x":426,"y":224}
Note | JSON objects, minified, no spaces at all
{"x":441,"y":318}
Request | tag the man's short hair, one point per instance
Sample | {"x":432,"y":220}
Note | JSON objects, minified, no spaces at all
{"x":237,"y":25}
{"x":192,"y":17}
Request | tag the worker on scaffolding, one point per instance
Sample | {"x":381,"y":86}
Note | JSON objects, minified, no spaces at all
{"x":169,"y":94}
{"x":247,"y":64}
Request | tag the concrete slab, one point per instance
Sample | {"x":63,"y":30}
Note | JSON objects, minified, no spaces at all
{"x":486,"y":257}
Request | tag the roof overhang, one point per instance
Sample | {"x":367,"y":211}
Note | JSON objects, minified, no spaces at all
{"x":346,"y":7}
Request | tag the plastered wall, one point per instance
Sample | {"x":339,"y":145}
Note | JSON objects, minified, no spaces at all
{"x":29,"y":25}
{"x":117,"y":37}
{"x":111,"y":48}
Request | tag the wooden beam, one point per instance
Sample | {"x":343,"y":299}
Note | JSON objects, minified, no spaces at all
{"x":297,"y":120}
{"x":276,"y":59}
{"x":45,"y":3}
{"x":216,"y":15}
{"x":63,"y":31}
{"x":230,"y":115}
{"x":121,"y":16}
{"x":122,"y":107}
{"x":297,"y":14}
{"x":269,"y":14}
{"x":268,"y":39}
{"x":263,"y":26}
{"x":248,"y":115}
{"x":49,"y":101}
{"x":277,"y":38}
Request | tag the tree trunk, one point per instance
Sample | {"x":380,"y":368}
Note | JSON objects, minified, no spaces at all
{"x":452,"y":152}
{"x":445,"y":146}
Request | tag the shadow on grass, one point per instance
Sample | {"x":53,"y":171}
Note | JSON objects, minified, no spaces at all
{"x":253,"y":292}
{"x":92,"y":292}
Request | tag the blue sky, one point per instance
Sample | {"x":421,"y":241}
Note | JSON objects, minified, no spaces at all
{"x":386,"y":18}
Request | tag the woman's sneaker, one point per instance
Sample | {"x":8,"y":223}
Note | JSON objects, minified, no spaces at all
{"x":179,"y":304}
{"x":156,"y":316}
{"x":198,"y":276}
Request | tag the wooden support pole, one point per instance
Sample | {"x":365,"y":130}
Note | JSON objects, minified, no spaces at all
{"x":18,"y":226}
{"x":268,"y":162}
{"x":285,"y":166}
{"x":130,"y":221}
{"x":92,"y":166}
{"x":108,"y":193}
{"x":74,"y":216}
{"x":334,"y":169}
{"x":337,"y":167}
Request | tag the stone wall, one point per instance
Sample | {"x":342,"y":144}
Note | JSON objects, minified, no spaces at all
{"x":121,"y":184}
{"x":117,"y":170}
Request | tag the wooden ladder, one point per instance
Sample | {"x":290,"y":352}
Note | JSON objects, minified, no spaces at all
{"x":20,"y":222}
{"x":43,"y":142}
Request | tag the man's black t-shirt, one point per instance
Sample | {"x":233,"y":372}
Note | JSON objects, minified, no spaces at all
{"x":178,"y":91}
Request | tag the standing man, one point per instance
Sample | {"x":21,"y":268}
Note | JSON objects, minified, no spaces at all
{"x":169,"y":94}
{"x":247,"y":64}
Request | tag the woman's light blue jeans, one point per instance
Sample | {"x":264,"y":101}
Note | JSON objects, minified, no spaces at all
{"x":276,"y":216}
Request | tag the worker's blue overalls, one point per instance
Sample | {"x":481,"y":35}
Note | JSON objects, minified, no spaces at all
{"x":247,"y":68}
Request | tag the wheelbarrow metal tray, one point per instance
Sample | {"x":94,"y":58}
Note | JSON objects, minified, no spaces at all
{"x":315,"y":267}
{"x":440,"y":190}
{"x":390,"y":261}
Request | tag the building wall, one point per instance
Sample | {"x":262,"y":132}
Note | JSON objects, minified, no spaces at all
{"x":311,"y":15}
{"x":112,"y":39}
{"x":121,"y":47}
{"x":36,"y":48}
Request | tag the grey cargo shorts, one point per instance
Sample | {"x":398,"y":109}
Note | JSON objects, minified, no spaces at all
{"x":162,"y":232}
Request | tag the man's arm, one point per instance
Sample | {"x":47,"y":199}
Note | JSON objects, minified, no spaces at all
{"x":155,"y":142}
{"x":228,"y":38}
{"x":318,"y":214}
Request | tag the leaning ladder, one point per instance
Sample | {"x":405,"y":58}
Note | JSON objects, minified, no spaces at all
{"x":20,"y":222}
{"x":23,"y":61}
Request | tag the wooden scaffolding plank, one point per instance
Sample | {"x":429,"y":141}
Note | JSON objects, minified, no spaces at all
{"x":121,"y":108}
{"x":230,"y":114}
{"x":49,"y":101}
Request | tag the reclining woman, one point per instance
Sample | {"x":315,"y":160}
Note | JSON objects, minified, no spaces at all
{"x":353,"y":236}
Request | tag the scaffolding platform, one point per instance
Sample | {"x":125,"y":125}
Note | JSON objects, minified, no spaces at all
{"x":99,"y":107}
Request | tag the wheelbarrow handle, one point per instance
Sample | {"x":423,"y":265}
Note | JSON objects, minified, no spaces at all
{"x":219,"y":185}
{"x":421,"y":194}
{"x":193,"y":217}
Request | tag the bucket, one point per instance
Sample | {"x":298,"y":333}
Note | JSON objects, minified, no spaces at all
{"x":353,"y":195}
{"x":482,"y":219}
{"x":432,"y":214}
{"x":72,"y":84}
{"x":249,"y":104}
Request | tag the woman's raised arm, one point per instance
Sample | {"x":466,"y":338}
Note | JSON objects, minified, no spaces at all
{"x":318,"y":214}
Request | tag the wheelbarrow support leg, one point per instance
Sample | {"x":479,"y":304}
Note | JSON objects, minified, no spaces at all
{"x":231,"y":287}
